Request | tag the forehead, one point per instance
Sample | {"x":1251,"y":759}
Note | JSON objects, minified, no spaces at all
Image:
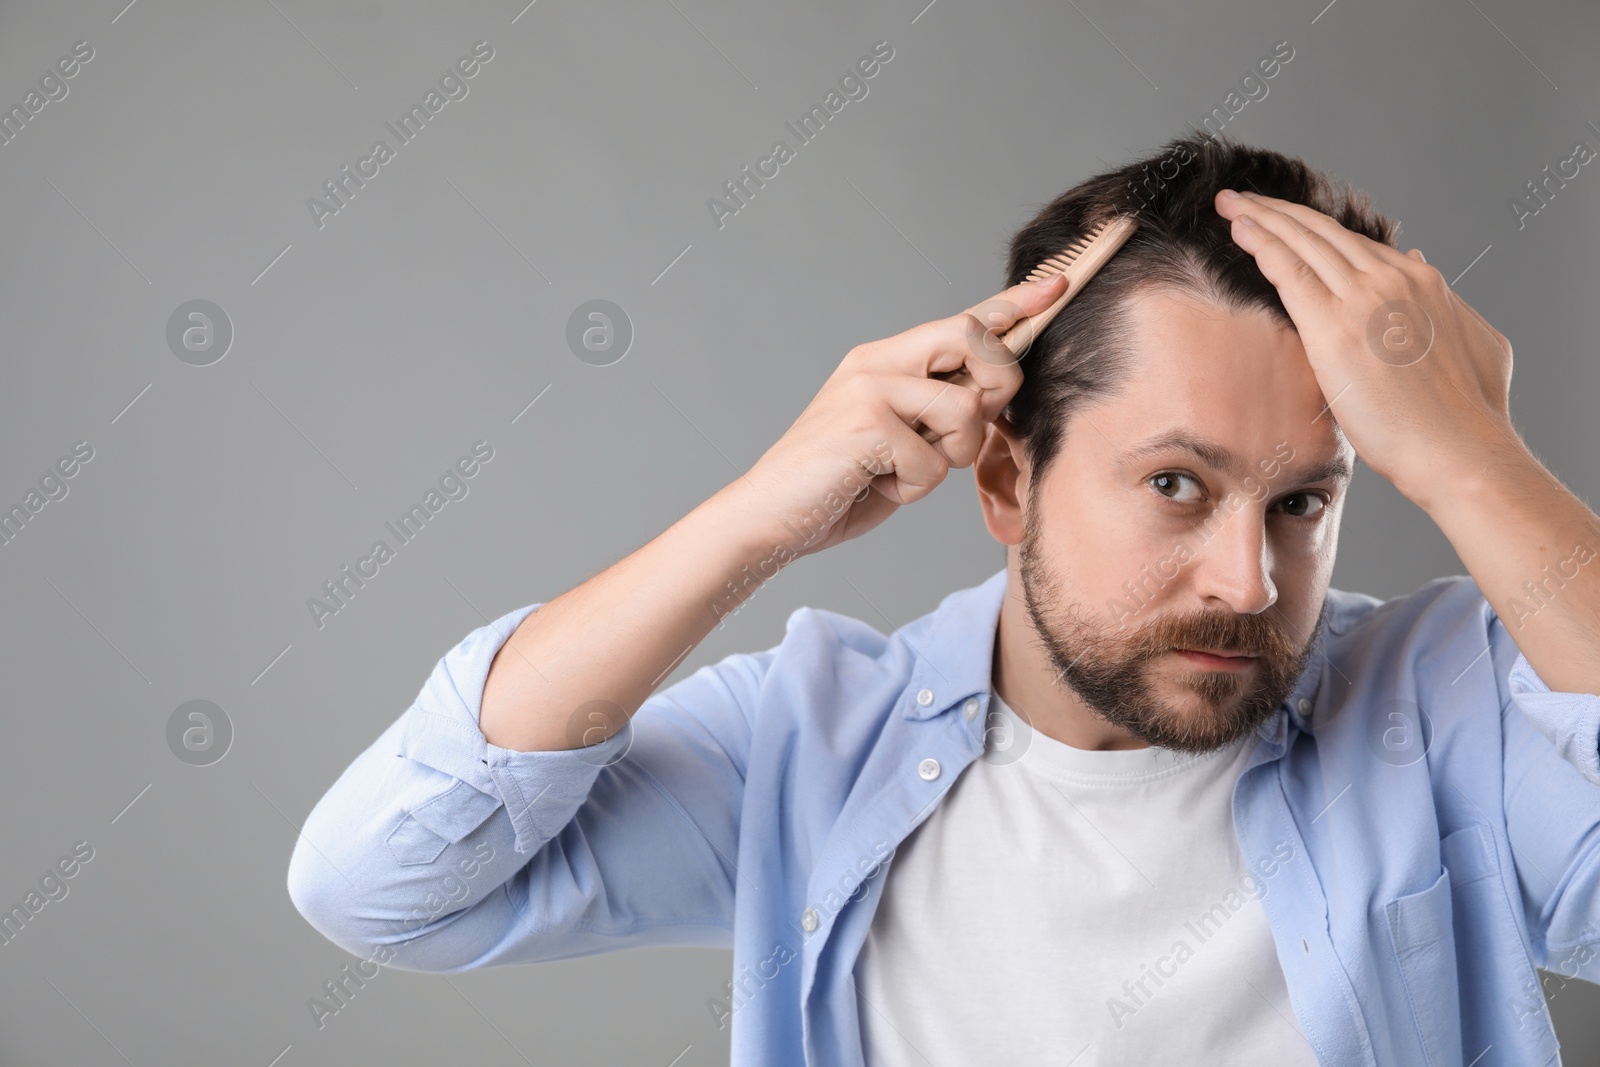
{"x":1240,"y":379}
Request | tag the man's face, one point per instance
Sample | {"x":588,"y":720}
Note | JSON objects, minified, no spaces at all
{"x":1136,"y":547}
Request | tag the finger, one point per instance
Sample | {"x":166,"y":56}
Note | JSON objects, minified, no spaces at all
{"x":979,"y":328}
{"x":966,"y":347}
{"x":1320,"y":248}
{"x":1362,"y":252}
{"x":970,"y":348}
{"x":952,"y":351}
{"x":1416,"y":254}
{"x":1304,"y":293}
{"x":918,"y":467}
{"x":1005,"y":309}
{"x":946,"y":415}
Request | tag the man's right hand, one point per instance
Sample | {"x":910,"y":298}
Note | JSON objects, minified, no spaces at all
{"x":883,"y":419}
{"x":576,"y":669}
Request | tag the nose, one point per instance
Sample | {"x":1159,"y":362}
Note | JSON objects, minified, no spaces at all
{"x":1233,"y":565}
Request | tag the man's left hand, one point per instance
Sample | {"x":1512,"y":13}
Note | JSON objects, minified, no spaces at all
{"x":1418,"y":380}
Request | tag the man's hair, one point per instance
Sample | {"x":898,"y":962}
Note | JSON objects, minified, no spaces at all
{"x":1182,"y":245}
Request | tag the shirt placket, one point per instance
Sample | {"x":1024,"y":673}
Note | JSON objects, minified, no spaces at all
{"x":1297,"y":911}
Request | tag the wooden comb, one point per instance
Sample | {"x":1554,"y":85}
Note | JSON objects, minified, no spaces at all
{"x":1079,"y":261}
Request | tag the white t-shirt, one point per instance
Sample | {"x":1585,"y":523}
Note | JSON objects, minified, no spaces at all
{"x":1065,"y":906}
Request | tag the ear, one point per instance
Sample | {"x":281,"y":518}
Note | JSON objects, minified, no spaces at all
{"x":1001,"y":471}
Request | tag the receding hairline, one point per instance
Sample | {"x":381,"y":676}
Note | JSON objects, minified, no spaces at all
{"x":1202,"y":287}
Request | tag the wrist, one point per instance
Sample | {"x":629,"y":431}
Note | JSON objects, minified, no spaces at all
{"x":750,"y":550}
{"x":753,"y":528}
{"x":1473,"y":478}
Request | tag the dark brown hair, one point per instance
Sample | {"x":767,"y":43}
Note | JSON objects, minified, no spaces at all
{"x":1181,"y":244}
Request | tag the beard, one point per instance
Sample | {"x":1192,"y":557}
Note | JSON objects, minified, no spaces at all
{"x":1109,"y":666}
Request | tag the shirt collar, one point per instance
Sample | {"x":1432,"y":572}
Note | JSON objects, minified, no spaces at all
{"x":954,"y":662}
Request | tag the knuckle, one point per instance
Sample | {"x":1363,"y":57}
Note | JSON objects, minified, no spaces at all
{"x":859,"y":354}
{"x":1393,"y":278}
{"x":966,"y":402}
{"x":860,"y":387}
{"x":881,"y":458}
{"x":962,"y":451}
{"x":965,"y":321}
{"x":969,"y":331}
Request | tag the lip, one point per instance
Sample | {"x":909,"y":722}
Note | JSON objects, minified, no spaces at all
{"x":1216,"y":662}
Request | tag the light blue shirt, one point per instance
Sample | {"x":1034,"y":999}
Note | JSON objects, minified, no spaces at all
{"x":1423,"y":810}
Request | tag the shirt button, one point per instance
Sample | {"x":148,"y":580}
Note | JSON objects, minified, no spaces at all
{"x":970,"y":708}
{"x":1305,"y":706}
{"x":929,"y":769}
{"x":808,"y":919}
{"x":925,"y":697}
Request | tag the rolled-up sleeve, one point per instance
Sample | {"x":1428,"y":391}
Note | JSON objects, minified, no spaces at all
{"x":1571,"y":721}
{"x":438,"y":851}
{"x":1552,"y":809}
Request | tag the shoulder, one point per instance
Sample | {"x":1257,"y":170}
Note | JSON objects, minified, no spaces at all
{"x":1420,"y":647}
{"x":827,"y":650}
{"x":1363,"y":618}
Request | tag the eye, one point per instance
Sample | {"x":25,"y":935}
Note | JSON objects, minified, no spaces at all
{"x":1166,"y":483}
{"x":1304,"y":505}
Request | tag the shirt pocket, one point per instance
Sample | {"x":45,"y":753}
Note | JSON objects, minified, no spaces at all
{"x":428,"y":828}
{"x":1421,"y":930}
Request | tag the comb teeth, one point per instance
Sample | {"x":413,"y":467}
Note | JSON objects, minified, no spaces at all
{"x":1088,"y":254}
{"x":1080,"y":261}
{"x":1059,"y":263}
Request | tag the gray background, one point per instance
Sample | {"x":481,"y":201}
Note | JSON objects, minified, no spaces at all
{"x":432,"y":310}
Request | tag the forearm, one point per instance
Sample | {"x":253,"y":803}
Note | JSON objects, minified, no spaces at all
{"x":1534,"y":549}
{"x":574,"y":667}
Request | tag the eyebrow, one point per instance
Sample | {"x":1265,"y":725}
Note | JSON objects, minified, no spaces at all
{"x":1218,"y":457}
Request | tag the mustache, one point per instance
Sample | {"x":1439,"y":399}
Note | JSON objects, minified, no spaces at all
{"x":1241,"y":635}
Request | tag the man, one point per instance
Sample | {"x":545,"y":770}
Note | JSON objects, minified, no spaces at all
{"x":1151,"y":793}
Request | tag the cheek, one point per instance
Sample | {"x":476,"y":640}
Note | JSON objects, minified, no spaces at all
{"x":1304,"y":569}
{"x":1313,"y":554}
{"x":1116,"y":540}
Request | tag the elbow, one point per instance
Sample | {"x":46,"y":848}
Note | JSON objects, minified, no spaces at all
{"x":340,"y":912}
{"x":332,"y":907}
{"x":321,"y":894}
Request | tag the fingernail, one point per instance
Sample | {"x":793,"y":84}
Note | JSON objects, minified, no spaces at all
{"x":1230,"y":194}
{"x":1046,"y":280}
